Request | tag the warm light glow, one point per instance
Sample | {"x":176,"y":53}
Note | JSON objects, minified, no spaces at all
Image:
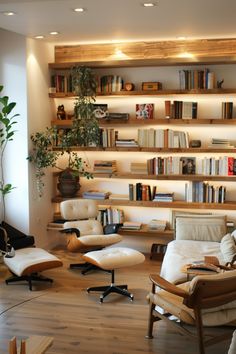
{"x":79,"y":9}
{"x":185,"y":55}
{"x":149,"y":4}
{"x":54,"y":33}
{"x":39,"y":37}
{"x":119,"y":55}
{"x":181,"y":38}
{"x":8,"y":13}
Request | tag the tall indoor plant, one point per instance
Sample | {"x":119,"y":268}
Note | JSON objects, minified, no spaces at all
{"x":84,"y":132}
{"x":7,"y":131}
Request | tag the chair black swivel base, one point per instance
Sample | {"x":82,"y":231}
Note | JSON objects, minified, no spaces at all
{"x":28,"y":278}
{"x":86,"y":267}
{"x":112,"y":288}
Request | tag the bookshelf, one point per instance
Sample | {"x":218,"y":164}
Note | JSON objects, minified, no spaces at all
{"x":203,"y":122}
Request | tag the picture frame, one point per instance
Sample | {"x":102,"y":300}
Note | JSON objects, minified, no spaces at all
{"x":144,"y":110}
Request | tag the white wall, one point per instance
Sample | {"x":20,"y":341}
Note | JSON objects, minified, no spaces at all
{"x":39,"y":54}
{"x":13,"y":77}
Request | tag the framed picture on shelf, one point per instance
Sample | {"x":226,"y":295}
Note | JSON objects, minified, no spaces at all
{"x":144,"y":110}
{"x":188,"y":165}
{"x":100,"y":110}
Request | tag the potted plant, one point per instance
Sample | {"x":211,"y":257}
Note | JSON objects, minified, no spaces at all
{"x":7,"y":123}
{"x":84,"y":132}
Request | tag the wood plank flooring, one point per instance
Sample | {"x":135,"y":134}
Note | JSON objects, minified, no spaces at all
{"x":79,"y":323}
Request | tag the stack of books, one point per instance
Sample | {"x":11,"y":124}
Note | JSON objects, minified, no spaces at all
{"x":119,"y":196}
{"x":138,"y":167}
{"x":131,"y":225}
{"x":105,"y":166}
{"x":95,"y":194}
{"x":126,"y":143}
{"x":221,"y":144}
{"x":155,"y":224}
{"x":163,"y":197}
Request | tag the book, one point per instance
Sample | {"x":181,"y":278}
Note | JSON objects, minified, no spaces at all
{"x":131,"y":225}
{"x":144,"y":111}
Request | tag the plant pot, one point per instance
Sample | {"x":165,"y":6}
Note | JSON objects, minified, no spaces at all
{"x":68,"y":184}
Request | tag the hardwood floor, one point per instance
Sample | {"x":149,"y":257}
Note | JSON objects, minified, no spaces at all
{"x":79,"y":323}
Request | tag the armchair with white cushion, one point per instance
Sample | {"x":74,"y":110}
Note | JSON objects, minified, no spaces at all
{"x":84,"y":232}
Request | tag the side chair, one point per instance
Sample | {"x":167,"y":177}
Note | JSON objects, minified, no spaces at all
{"x":205,"y":301}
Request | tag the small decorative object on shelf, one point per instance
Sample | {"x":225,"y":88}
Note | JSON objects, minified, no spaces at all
{"x":195,"y":143}
{"x":144,"y":111}
{"x":61,"y":114}
{"x":220,"y":83}
{"x":129,"y":86}
{"x":100,"y":110}
{"x":151,"y":86}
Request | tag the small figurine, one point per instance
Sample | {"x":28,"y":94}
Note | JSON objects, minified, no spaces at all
{"x":61,"y":114}
{"x":220,"y":83}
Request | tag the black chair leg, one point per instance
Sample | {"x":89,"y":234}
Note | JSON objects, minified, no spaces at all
{"x":28,"y":278}
{"x":112,"y":288}
{"x":86,"y":267}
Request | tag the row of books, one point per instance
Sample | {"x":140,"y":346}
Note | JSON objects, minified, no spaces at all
{"x":222,"y":166}
{"x":109,"y":83}
{"x":162,"y":138}
{"x":110,"y":215}
{"x":140,"y":191}
{"x":109,"y":138}
{"x":203,"y":192}
{"x":104,"y":166}
{"x":62,"y":83}
{"x":169,"y":165}
{"x":180,"y":109}
{"x":196,"y":79}
{"x":176,"y":165}
{"x":227,"y":110}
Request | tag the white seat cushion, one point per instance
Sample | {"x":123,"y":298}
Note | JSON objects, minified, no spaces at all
{"x":181,"y":252}
{"x":31,"y":260}
{"x":112,"y":258}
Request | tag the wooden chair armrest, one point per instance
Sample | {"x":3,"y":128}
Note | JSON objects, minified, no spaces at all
{"x":167,"y":286}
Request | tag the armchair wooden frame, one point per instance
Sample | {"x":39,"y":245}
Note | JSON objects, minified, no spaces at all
{"x":207,"y":292}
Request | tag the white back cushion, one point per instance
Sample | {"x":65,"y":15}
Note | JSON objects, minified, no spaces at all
{"x":78,"y":209}
{"x":200,"y":228}
{"x":86,"y":227}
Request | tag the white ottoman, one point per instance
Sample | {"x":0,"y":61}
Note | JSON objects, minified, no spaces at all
{"x":27,"y":262}
{"x":110,"y":259}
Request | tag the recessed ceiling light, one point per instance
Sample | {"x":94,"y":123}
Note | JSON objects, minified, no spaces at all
{"x":8,"y":13}
{"x":39,"y":37}
{"x":79,"y":9}
{"x":54,"y":33}
{"x":149,"y":4}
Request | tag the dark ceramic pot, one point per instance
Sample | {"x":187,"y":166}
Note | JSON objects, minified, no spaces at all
{"x":68,"y":184}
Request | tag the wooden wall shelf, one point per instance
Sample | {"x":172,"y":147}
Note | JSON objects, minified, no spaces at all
{"x":166,"y":177}
{"x":152,"y":93}
{"x":139,"y":122}
{"x":150,"y":204}
{"x":161,"y":150}
{"x":148,"y":53}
